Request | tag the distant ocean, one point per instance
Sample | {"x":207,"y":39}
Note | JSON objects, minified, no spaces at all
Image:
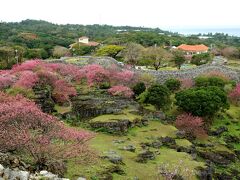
{"x":229,"y":31}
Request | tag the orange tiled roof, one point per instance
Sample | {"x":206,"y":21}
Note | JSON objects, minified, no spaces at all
{"x":195,"y":48}
{"x":90,"y":43}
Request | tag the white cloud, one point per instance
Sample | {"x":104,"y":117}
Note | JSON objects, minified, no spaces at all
{"x":150,"y":13}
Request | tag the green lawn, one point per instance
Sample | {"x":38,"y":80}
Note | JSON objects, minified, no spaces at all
{"x":104,"y":142}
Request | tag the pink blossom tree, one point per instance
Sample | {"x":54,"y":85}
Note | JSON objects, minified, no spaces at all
{"x":123,"y":91}
{"x":192,"y":125}
{"x":5,"y":82}
{"x":234,"y":95}
{"x":25,"y":128}
{"x":27,"y":65}
{"x":63,"y":91}
{"x":27,"y":80}
{"x":95,"y":74}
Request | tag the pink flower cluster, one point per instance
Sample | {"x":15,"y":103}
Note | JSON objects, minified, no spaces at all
{"x":63,"y":90}
{"x":27,"y":79}
{"x":5,"y":82}
{"x":95,"y":74}
{"x":186,"y":83}
{"x":234,"y":95}
{"x":24,"y":127}
{"x":62,"y":77}
{"x":123,"y":91}
{"x":192,"y":125}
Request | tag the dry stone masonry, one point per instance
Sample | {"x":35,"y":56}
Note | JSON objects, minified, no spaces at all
{"x":162,"y":76}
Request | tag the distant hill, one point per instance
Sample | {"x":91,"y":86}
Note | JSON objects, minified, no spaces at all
{"x":37,"y":38}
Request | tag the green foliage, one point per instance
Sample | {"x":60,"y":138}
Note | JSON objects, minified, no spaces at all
{"x":105,"y":85}
{"x":156,"y":56}
{"x":33,"y":34}
{"x":179,"y":58}
{"x":28,"y":93}
{"x":142,"y":98}
{"x":60,"y":51}
{"x":81,"y":49}
{"x":158,"y":95}
{"x":7,"y":57}
{"x":203,"y":101}
{"x":36,"y":53}
{"x":199,"y":59}
{"x":139,"y":88}
{"x":109,"y":50}
{"x":173,"y":84}
{"x":146,"y":78}
{"x":204,"y":81}
{"x":132,"y":53}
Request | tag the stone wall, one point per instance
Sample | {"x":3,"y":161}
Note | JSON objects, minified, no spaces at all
{"x":162,"y":76}
{"x":107,"y":62}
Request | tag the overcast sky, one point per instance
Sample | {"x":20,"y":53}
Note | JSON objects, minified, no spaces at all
{"x":165,"y":14}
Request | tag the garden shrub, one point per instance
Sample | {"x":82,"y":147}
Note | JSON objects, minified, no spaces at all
{"x":104,"y":85}
{"x":203,"y":101}
{"x":147,"y":79}
{"x":158,"y":95}
{"x":204,"y":81}
{"x":173,"y":84}
{"x":199,"y":59}
{"x":139,"y":88}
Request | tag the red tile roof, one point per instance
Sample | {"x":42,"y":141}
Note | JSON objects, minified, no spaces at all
{"x":90,"y":43}
{"x":193,"y":48}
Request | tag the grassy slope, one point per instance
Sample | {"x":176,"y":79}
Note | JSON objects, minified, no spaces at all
{"x":111,"y":117}
{"x":104,"y":142}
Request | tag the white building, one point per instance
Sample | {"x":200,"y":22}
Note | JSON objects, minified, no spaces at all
{"x":84,"y":40}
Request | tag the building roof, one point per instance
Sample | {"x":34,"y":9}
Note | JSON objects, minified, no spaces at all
{"x":194,"y":48}
{"x":84,"y":37}
{"x":92,"y":43}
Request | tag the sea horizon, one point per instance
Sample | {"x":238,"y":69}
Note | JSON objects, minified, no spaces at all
{"x":193,"y":31}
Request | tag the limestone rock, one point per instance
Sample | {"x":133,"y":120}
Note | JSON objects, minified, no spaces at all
{"x":219,"y":131}
{"x":144,"y":156}
{"x":113,"y":157}
{"x":130,"y":148}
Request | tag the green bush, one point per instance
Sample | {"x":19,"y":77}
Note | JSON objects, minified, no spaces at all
{"x":104,"y":85}
{"x":203,"y":81}
{"x":173,"y":84}
{"x":199,"y":59}
{"x":158,"y":95}
{"x":203,"y":101}
{"x":109,"y":50}
{"x":81,"y":49}
{"x":139,"y":88}
{"x":28,"y":93}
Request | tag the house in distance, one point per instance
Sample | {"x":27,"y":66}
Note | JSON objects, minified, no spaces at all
{"x":85,"y":40}
{"x":193,"y":49}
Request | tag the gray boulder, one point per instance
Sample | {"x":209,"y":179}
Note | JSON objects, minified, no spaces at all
{"x":21,"y":175}
{"x":1,"y":170}
{"x":113,"y":157}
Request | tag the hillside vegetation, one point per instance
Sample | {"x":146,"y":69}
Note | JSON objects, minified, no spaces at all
{"x":111,"y":122}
